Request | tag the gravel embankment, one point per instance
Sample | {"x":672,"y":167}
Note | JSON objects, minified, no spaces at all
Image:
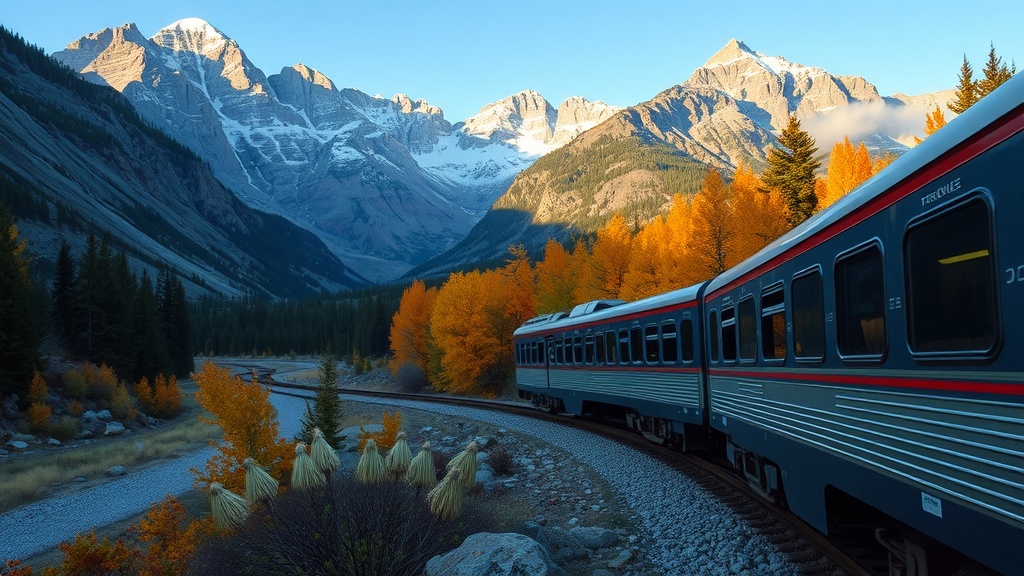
{"x":683,"y":529}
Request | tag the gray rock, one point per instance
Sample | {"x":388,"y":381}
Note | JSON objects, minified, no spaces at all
{"x":484,"y":476}
{"x":564,"y":546}
{"x":487,"y":554}
{"x":80,"y":479}
{"x":482,"y":442}
{"x":3,"y":452}
{"x":114,"y":429}
{"x":104,"y":415}
{"x":18,"y":445}
{"x":85,"y":434}
{"x":53,"y":442}
{"x":89,"y":418}
{"x":536,"y":532}
{"x":23,"y":437}
{"x":9,"y":407}
{"x":621,"y":560}
{"x":115,"y":471}
{"x":595,"y":537}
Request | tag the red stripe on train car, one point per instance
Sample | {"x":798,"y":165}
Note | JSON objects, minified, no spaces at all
{"x":1008,"y":389}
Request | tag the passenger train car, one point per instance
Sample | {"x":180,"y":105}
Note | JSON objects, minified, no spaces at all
{"x":866,"y":367}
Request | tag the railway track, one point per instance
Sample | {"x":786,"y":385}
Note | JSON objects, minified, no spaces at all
{"x":813,"y":553}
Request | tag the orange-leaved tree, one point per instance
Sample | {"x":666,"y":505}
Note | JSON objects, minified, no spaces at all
{"x":86,"y":556}
{"x":848,"y":167}
{"x":250,"y":425}
{"x":760,"y":214}
{"x":409,"y":326}
{"x":714,"y":231}
{"x":171,"y":540}
{"x":554,"y":279}
{"x":463,"y":326}
{"x":391,"y":425}
{"x":38,"y":411}
{"x":647,"y":274}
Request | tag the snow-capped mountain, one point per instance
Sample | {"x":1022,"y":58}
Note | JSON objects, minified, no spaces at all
{"x":730,"y":110}
{"x":387,"y":183}
{"x":80,"y":161}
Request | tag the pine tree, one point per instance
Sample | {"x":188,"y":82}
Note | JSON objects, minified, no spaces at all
{"x":325,"y":411}
{"x":966,"y":91}
{"x":64,"y":294}
{"x":791,"y":170}
{"x":174,"y":313}
{"x":996,"y":73}
{"x":151,"y":356}
{"x":19,"y":328}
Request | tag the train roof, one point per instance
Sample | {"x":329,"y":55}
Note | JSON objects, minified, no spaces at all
{"x":560,"y":321}
{"x":988,"y":110}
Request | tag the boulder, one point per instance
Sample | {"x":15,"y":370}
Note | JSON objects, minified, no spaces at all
{"x":487,"y":554}
{"x":595,"y":537}
{"x":104,"y":415}
{"x":53,"y":442}
{"x":114,"y":429}
{"x":115,"y":471}
{"x":18,"y":445}
{"x":484,"y":476}
{"x":564,"y":546}
{"x":89,"y":418}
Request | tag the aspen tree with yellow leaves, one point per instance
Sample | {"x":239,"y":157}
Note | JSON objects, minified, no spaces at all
{"x":462,"y":325}
{"x":848,"y":167}
{"x":714,"y":230}
{"x":554,"y":279}
{"x":243,"y":410}
{"x":759,"y":214}
{"x":409,"y":326}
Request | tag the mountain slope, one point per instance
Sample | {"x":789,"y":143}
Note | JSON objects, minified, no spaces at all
{"x":729,"y":111}
{"x":86,"y":161}
{"x":386,"y":183}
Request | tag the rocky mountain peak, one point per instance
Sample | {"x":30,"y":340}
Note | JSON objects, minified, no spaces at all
{"x":313,"y":76}
{"x":408,"y":105}
{"x":733,"y":50}
{"x":191,"y":35}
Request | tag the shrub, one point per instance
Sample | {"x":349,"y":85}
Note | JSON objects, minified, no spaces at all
{"x":76,"y":409}
{"x":75,"y":384}
{"x":86,"y":556}
{"x":500,"y":460}
{"x":39,"y":417}
{"x":121,"y":405}
{"x":65,"y":428}
{"x":410,"y":378}
{"x":384,"y":439}
{"x":103,"y":384}
{"x":345,"y":527}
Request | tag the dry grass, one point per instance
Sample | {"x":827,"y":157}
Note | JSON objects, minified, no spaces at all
{"x":34,"y":476}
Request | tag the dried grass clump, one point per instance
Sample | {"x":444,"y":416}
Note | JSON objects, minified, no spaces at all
{"x":466,"y":460}
{"x":371,"y":468}
{"x":229,"y":510}
{"x":304,"y":472}
{"x":399,"y":457}
{"x":421,"y":470}
{"x":324,"y":457}
{"x":259,"y":485}
{"x":446,"y":498}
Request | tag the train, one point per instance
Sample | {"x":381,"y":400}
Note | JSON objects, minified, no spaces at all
{"x":864,"y":370}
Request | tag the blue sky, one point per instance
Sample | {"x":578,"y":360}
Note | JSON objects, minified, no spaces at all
{"x":463,"y":54}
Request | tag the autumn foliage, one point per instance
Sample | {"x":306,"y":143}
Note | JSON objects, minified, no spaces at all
{"x":170,"y":538}
{"x":384,"y":439}
{"x":250,"y":426}
{"x":464,"y":329}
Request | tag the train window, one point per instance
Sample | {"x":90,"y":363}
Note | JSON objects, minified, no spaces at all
{"x":686,"y":339}
{"x":773,"y":323}
{"x":729,"y":334}
{"x":651,"y":344}
{"x":808,"y":317}
{"x":559,"y":351}
{"x":623,"y":346}
{"x":748,"y":329}
{"x":588,"y":349}
{"x":713,"y":335}
{"x":610,"y":348}
{"x":541,"y":352}
{"x":860,"y":304}
{"x":636,"y":344}
{"x":599,"y":348}
{"x":669,"y":342}
{"x":577,"y":350}
{"x":951,"y":282}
